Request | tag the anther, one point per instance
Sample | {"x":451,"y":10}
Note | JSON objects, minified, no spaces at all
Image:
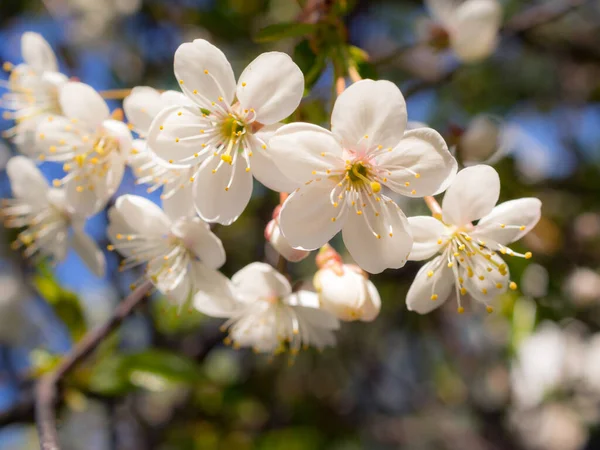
{"x":375,"y":186}
{"x":489,"y":309}
{"x":513,"y":286}
{"x":528,"y":255}
{"x":434,"y":297}
{"x":460,"y":310}
{"x":227,"y":158}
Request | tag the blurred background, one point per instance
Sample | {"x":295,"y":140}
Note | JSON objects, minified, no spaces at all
{"x":525,"y":377}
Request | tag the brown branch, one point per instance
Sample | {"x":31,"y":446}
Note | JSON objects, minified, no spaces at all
{"x":46,"y":389}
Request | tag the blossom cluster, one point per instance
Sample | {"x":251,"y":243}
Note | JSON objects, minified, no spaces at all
{"x":204,"y":146}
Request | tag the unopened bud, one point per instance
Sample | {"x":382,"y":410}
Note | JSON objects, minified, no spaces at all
{"x":274,"y":236}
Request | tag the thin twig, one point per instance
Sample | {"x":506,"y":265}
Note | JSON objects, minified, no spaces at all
{"x":45,"y":394}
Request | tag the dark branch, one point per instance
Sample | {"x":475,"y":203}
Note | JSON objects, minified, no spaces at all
{"x":45,"y":393}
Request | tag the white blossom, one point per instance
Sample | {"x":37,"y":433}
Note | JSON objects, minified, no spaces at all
{"x":223,"y":136}
{"x":92,"y":146}
{"x":342,"y":174}
{"x":472,"y":25}
{"x":33,"y":88}
{"x":468,"y":254}
{"x":264,"y":313}
{"x":47,"y":217}
{"x":275,"y":237}
{"x":181,"y":253}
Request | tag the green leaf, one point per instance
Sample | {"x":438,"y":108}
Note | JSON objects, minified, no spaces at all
{"x":66,"y":305}
{"x":157,"y":370}
{"x":109,"y":377}
{"x":284,"y":30}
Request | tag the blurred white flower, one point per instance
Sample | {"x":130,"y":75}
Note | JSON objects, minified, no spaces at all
{"x":535,"y":280}
{"x":591,"y":367}
{"x":141,"y":107}
{"x":266,"y":315}
{"x":583,"y":286}
{"x":344,"y":289}
{"x":92,"y":146}
{"x":274,"y":237}
{"x":32,"y":91}
{"x":472,"y":26}
{"x":546,"y":362}
{"x":47,"y":216}
{"x":468,"y":260}
{"x":342,"y":173}
{"x":13,"y":315}
{"x":481,"y":141}
{"x":181,"y":253}
{"x":225,"y":142}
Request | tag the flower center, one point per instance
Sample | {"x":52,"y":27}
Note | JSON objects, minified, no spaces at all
{"x":359,"y":175}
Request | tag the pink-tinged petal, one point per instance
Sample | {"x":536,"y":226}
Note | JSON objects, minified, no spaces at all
{"x":419,"y":165}
{"x":308,"y":219}
{"x":369,"y":114}
{"x":302,"y":151}
{"x":434,"y":280}
{"x":272,"y":85}
{"x":176,"y":135}
{"x":83,"y":104}
{"x":203,"y":73}
{"x":378,"y":239}
{"x":426,"y":232}
{"x":509,"y":221}
{"x":88,"y":251}
{"x":223,"y":195}
{"x":37,"y":53}
{"x":472,"y":195}
{"x":260,"y":281}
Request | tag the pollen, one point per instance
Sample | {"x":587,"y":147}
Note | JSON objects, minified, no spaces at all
{"x":7,"y":67}
{"x":180,"y":81}
{"x":179,"y":113}
{"x":161,"y":128}
{"x":206,"y":71}
{"x":417,"y":175}
{"x":528,"y":255}
{"x":522,"y":228}
{"x":460,"y":310}
{"x":434,"y":297}
{"x":244,"y":84}
{"x":489,"y":309}
{"x":375,"y":186}
{"x":513,"y":286}
{"x":227,"y":158}
{"x":430,"y":273}
{"x":463,"y":291}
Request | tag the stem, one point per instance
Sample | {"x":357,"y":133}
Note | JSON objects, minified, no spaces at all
{"x":45,"y":393}
{"x":353,"y":73}
{"x":340,"y":85}
{"x":434,"y":207}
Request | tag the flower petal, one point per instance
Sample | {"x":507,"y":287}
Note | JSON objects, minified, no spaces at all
{"x":175,"y":135}
{"x":214,"y":294}
{"x":485,"y":285}
{"x":368,"y":114}
{"x":121,"y":133}
{"x":306,"y":217}
{"x":141,"y":107}
{"x":263,"y":166}
{"x":420,"y":164}
{"x":440,"y":283}
{"x":473,"y":194}
{"x":385,"y":244}
{"x":509,"y":221}
{"x":37,"y":53}
{"x":143,"y":216}
{"x":223,"y":195}
{"x":272,"y":85}
{"x":82,"y":103}
{"x":475,"y":28}
{"x":88,"y":251}
{"x":372,"y":305}
{"x":281,"y":245}
{"x":178,"y":294}
{"x":316,"y":317}
{"x":201,"y":241}
{"x":441,"y":10}
{"x":426,"y":231}
{"x":26,"y":180}
{"x":181,"y":203}
{"x":260,"y":281}
{"x":299,"y":149}
{"x":203,"y":68}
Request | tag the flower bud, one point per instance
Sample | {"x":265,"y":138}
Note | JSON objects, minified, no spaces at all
{"x":274,"y":236}
{"x":345,"y":291}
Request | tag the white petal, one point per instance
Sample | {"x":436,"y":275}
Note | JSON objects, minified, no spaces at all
{"x":442,"y":10}
{"x":493,"y":284}
{"x":306,"y":217}
{"x":260,"y":281}
{"x":503,"y":225}
{"x":368,"y":114}
{"x":390,"y":250}
{"x":474,"y":32}
{"x":37,"y":53}
{"x":81,"y":102}
{"x":275,"y":237}
{"x":222,"y":196}
{"x":174,"y":98}
{"x":315,"y":316}
{"x":473,"y":194}
{"x":426,"y":231}
{"x":180,"y":294}
{"x":175,"y":135}
{"x":372,"y":304}
{"x":263,"y":166}
{"x":181,"y":203}
{"x":143,"y":216}
{"x":298,"y":150}
{"x":214,"y":294}
{"x":88,"y":251}
{"x":57,"y":136}
{"x":198,"y":238}
{"x":121,"y":132}
{"x":142,"y":106}
{"x":202,"y":67}
{"x":26,"y":180}
{"x":419,"y":297}
{"x":424,"y":152}
{"x":272,"y":85}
